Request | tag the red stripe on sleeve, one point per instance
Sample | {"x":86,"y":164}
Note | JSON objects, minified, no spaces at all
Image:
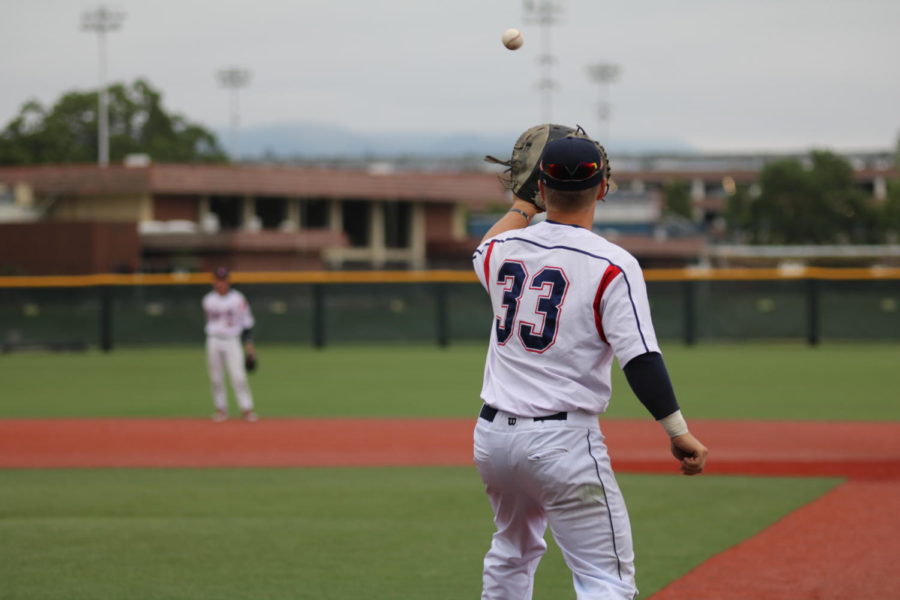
{"x":487,"y":265}
{"x":611,"y":273}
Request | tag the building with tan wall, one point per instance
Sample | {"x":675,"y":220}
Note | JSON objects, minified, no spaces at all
{"x":193,"y":217}
{"x":271,"y":218}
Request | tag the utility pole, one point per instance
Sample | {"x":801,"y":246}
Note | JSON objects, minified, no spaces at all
{"x":545,"y":13}
{"x":234,"y":79}
{"x":603,"y":74}
{"x":101,"y":21}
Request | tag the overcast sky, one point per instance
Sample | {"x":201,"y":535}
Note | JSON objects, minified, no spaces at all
{"x":720,"y":75}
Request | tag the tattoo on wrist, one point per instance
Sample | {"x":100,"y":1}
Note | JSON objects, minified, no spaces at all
{"x":521,"y":212}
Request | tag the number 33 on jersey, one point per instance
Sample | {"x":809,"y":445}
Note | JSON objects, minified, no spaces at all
{"x":551,"y":285}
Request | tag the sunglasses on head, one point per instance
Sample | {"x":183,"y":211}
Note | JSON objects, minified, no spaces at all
{"x":563,"y":172}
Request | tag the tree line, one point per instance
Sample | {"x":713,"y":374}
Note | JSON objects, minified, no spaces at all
{"x":66,"y":132}
{"x":794,"y":201}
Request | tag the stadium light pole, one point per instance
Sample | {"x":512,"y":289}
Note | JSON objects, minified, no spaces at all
{"x":102,"y":20}
{"x":234,"y":79}
{"x":545,"y":13}
{"x":604,"y":74}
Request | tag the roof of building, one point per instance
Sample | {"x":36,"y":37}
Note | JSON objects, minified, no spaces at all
{"x":474,"y":189}
{"x":78,"y":179}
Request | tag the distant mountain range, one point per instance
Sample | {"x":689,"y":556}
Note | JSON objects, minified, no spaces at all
{"x":305,"y":140}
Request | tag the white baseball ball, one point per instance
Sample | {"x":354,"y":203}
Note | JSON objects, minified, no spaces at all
{"x":512,"y":39}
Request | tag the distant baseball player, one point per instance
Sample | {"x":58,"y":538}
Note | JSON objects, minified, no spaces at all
{"x":229,"y":345}
{"x":566,"y":302}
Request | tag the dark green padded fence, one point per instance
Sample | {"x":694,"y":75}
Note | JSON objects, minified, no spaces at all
{"x":690,"y":309}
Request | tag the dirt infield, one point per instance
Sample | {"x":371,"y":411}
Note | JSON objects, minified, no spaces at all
{"x":839,"y":546}
{"x":857,"y":450}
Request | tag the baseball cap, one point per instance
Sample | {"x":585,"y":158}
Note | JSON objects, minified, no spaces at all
{"x":220,"y":273}
{"x":572,"y":164}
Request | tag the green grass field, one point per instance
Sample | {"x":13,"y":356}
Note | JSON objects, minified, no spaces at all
{"x":385,"y":533}
{"x":752,"y":381}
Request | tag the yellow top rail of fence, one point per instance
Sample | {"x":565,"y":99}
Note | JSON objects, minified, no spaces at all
{"x":435,"y":276}
{"x":756,"y":274}
{"x":108,"y":279}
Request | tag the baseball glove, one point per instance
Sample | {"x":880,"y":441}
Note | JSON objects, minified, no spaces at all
{"x":521,"y":175}
{"x":250,"y":362}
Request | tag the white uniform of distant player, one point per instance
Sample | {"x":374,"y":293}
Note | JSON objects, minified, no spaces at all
{"x":227,"y":315}
{"x":566,"y":301}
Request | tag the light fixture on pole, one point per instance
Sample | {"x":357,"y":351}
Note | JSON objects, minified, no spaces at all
{"x":234,"y":79}
{"x":604,"y":74}
{"x":101,"y":21}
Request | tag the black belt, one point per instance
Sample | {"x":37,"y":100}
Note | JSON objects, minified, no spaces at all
{"x":489,"y":412}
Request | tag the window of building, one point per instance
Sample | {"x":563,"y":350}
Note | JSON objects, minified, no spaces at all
{"x":314,"y":214}
{"x":228,"y":209}
{"x":271,"y":212}
{"x":866,"y":186}
{"x":397,"y":224}
{"x":356,"y":216}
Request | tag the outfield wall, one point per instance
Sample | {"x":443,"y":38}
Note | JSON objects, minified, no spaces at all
{"x":321,"y":308}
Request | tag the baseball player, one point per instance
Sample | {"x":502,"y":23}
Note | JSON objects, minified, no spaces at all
{"x":229,"y":345}
{"x":566,"y":302}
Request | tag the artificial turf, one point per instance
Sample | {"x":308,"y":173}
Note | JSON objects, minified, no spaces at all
{"x":380,"y":533}
{"x":836,"y":381}
{"x":372,"y":533}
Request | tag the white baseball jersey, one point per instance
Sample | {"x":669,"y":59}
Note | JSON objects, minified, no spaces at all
{"x":565,"y":302}
{"x":226,"y":315}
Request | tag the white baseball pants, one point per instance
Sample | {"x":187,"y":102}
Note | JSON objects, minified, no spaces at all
{"x":556,"y":472}
{"x":222,"y":354}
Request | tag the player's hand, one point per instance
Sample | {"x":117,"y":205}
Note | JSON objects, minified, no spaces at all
{"x":690,"y":452}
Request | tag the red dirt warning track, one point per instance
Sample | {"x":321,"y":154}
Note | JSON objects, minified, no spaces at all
{"x":840,"y":546}
{"x":859,"y":450}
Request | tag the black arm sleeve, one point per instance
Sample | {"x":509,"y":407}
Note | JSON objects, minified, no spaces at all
{"x":247,"y":335}
{"x":649,"y":380}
